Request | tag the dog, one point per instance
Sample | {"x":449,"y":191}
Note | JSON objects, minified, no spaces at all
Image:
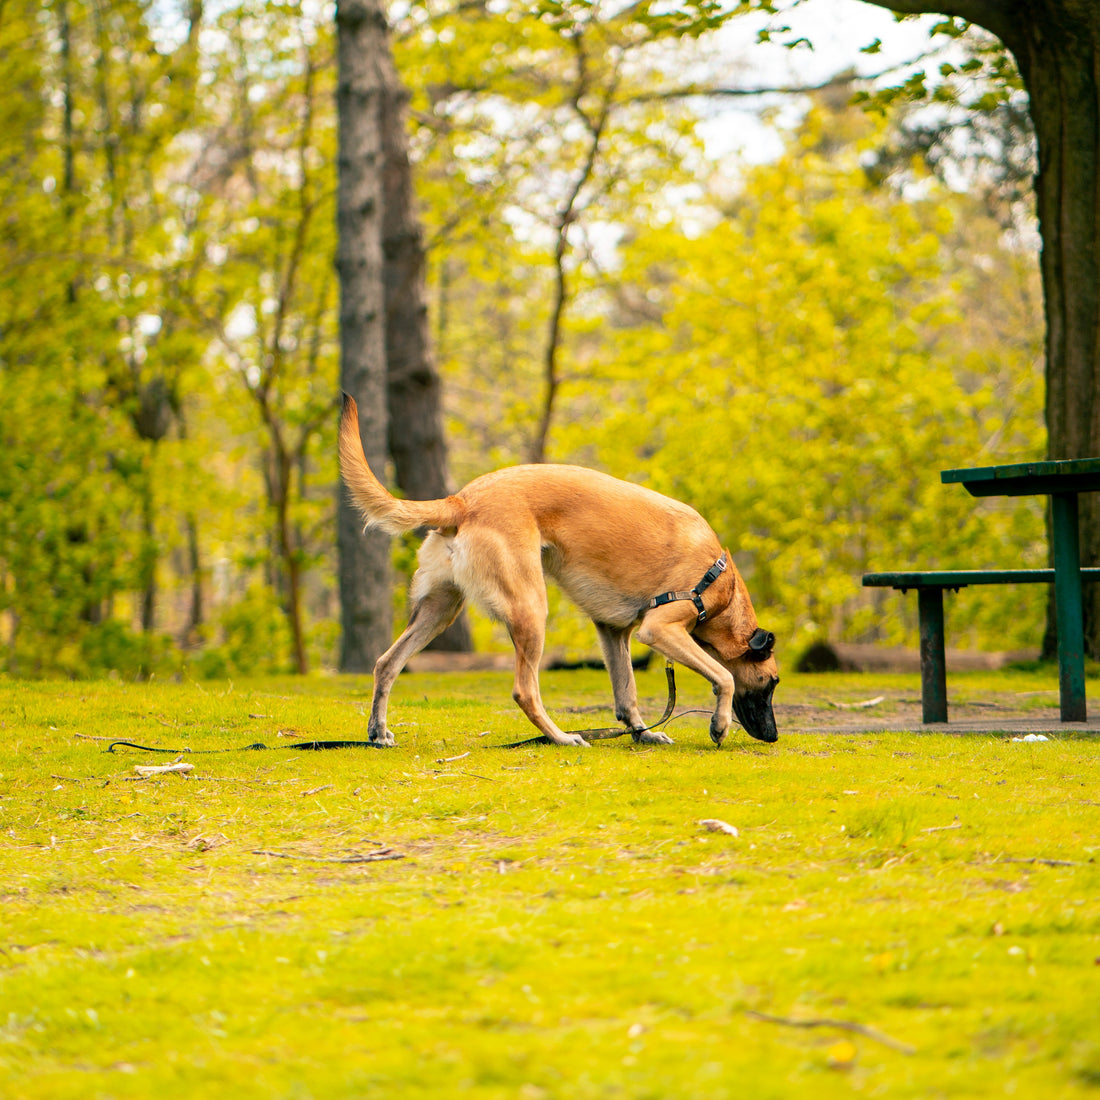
{"x":629,"y":557}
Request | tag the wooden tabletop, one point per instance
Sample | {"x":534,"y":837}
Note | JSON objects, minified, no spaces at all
{"x":1079,"y":475}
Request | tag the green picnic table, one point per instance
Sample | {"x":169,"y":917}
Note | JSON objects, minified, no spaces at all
{"x":1063,"y":482}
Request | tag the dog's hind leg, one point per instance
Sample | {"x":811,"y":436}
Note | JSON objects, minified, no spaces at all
{"x":523,"y":607}
{"x":528,"y":630}
{"x":436,"y":601}
{"x":432,"y":614}
{"x":501,"y":571}
{"x":615,"y":643}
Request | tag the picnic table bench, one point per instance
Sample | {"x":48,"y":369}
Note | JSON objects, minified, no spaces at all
{"x":1062,"y":481}
{"x":930,"y":587}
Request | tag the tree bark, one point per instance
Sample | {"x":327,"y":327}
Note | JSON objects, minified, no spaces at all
{"x":1056,"y":44}
{"x":365,"y":569}
{"x":417,"y":443}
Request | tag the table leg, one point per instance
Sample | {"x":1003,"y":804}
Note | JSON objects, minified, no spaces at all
{"x":1067,"y":600}
{"x":933,"y":665}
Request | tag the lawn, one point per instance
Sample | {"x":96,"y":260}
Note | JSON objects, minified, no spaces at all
{"x":900,"y":914}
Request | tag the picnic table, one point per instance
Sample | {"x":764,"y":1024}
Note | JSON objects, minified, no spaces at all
{"x":1063,"y":482}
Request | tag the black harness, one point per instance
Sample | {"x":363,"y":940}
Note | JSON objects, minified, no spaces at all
{"x":695,"y":595}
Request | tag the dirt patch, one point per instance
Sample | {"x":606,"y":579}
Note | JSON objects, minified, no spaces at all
{"x":892,"y":710}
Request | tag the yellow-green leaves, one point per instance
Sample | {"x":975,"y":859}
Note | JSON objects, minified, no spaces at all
{"x":810,"y":368}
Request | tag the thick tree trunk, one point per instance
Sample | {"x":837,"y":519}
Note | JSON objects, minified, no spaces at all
{"x":1057,"y":49}
{"x":413,"y":392}
{"x":365,"y":570}
{"x":1056,"y":44}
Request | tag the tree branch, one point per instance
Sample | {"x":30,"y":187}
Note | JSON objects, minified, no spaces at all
{"x":997,"y":18}
{"x":837,"y":81}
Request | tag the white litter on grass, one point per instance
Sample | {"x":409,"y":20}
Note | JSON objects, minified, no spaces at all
{"x":713,"y":825}
{"x":1032,"y":737}
{"x":147,"y":770}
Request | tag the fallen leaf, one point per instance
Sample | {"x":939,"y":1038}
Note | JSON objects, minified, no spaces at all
{"x":883,"y":961}
{"x":206,"y":843}
{"x":842,"y":1054}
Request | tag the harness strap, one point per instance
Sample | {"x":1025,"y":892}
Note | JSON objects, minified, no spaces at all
{"x":696,"y":594}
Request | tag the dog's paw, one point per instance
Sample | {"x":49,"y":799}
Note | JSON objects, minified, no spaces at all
{"x":651,"y":737}
{"x":573,"y":739}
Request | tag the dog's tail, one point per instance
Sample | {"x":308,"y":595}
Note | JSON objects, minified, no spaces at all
{"x":378,"y":507}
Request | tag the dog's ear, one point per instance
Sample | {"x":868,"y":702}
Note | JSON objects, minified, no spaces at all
{"x":761,"y":644}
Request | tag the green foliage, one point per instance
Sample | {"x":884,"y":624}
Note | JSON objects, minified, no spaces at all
{"x":168,"y":340}
{"x":540,"y":140}
{"x":69,"y":541}
{"x":805,"y":370}
{"x":172,"y":240}
{"x":986,"y":79}
{"x":111,"y":648}
{"x":255,"y":639}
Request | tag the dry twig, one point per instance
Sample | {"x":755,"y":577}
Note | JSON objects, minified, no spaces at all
{"x":147,"y":770}
{"x":843,"y":1025}
{"x":858,"y":706}
{"x":1044,"y":862}
{"x":355,"y":857}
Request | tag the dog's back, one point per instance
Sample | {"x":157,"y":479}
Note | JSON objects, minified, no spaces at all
{"x":590,"y":521}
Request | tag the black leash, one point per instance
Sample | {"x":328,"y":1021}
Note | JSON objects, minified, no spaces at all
{"x":611,"y":731}
{"x":318,"y":746}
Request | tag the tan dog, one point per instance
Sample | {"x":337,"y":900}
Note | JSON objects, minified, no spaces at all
{"x":625,"y":555}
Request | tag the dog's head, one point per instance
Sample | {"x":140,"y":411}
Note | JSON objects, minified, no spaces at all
{"x":737,"y":641}
{"x":756,"y":677}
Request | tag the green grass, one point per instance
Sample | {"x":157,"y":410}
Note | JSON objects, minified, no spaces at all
{"x":560,"y":924}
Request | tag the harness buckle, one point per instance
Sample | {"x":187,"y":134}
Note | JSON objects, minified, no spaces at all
{"x":696,"y":594}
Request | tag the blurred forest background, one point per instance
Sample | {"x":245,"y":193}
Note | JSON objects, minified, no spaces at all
{"x":795,"y":345}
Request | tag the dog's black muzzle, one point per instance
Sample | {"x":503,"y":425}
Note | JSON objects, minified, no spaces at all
{"x":754,"y":712}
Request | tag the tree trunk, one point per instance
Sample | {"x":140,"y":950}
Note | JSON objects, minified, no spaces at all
{"x":1056,"y":44}
{"x":365,"y":569}
{"x":550,"y":370}
{"x":292,"y":564}
{"x":413,"y":392}
{"x":194,"y":562}
{"x":1058,"y":54}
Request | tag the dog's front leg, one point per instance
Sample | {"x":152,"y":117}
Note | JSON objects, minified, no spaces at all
{"x":615,"y":643}
{"x":665,"y":629}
